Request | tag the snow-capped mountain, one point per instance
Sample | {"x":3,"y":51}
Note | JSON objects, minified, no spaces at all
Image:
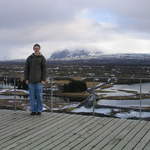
{"x":74,"y":54}
{"x":67,"y":54}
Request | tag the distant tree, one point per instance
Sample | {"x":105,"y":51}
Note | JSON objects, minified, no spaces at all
{"x":75,"y":86}
{"x":24,"y":85}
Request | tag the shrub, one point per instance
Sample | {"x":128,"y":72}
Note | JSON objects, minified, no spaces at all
{"x":75,"y":86}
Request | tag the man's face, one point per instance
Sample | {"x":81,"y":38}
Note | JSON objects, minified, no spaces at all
{"x":36,"y":49}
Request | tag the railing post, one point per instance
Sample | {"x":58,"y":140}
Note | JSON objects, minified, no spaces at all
{"x":93,"y":108}
{"x":51,"y":95}
{"x":94,"y":102}
{"x":15,"y":92}
{"x":140,"y":98}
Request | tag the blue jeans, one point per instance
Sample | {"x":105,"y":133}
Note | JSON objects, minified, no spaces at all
{"x":36,"y":97}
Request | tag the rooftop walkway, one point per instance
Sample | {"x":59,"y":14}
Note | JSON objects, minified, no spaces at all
{"x":59,"y":131}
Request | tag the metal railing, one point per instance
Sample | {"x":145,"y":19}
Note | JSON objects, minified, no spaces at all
{"x":91,"y":91}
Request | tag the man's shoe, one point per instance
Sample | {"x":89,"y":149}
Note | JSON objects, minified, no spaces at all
{"x":38,"y":113}
{"x":33,"y":113}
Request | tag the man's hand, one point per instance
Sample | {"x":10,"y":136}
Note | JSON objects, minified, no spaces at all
{"x":27,"y":81}
{"x":43,"y":82}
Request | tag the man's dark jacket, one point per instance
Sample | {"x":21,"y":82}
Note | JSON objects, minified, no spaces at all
{"x":35,"y":68}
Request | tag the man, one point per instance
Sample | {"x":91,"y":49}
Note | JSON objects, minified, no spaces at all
{"x":35,"y":76}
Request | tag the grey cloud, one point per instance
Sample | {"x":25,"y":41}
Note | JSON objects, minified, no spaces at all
{"x":24,"y":22}
{"x":16,"y":13}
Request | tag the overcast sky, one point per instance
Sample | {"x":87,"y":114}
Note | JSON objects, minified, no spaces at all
{"x":110,"y":26}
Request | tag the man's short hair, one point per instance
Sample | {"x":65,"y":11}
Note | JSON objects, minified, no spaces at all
{"x":36,"y":45}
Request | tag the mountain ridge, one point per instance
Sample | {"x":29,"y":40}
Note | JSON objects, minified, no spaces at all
{"x":67,"y":54}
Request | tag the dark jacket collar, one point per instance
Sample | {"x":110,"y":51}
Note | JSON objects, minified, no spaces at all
{"x":33,"y":54}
